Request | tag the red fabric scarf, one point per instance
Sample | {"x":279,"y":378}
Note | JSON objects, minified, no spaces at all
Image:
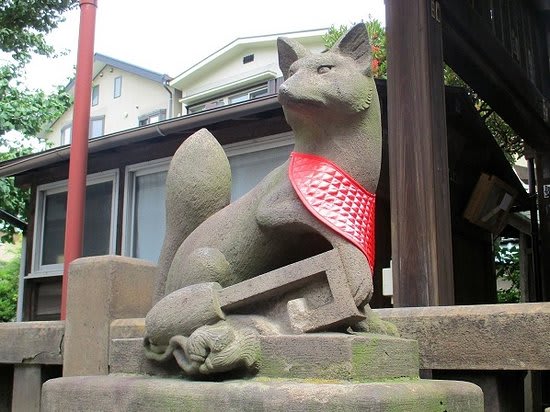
{"x":336,"y":199}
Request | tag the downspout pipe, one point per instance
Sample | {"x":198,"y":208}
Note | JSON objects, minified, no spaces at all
{"x":78,"y":163}
{"x":170,"y":100}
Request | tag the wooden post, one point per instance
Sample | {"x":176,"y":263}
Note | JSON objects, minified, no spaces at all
{"x":542,"y":283}
{"x":418,"y":162}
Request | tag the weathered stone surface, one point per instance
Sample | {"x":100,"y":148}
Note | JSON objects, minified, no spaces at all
{"x":129,"y":393}
{"x":101,"y":289}
{"x":358,"y":358}
{"x":336,"y":356}
{"x":335,"y":116}
{"x":491,"y":337}
{"x":27,"y":383}
{"x":32,"y":342}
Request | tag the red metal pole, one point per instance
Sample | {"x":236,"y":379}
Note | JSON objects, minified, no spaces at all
{"x":78,"y":164}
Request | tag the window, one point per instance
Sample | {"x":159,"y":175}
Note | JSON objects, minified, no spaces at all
{"x":66,"y":133}
{"x":145,"y":211}
{"x":152,"y":117}
{"x":247,"y":95}
{"x":117,"y":87}
{"x":95,"y":95}
{"x":144,"y":205}
{"x":248,"y":59}
{"x":235,"y":98}
{"x":99,"y":221}
{"x":206,"y":106}
{"x":97,"y":126}
{"x":251,"y":161}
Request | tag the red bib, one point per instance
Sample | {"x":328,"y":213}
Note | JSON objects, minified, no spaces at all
{"x":336,"y":199}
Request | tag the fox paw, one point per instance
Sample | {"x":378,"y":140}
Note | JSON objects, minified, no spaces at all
{"x":373,"y":324}
{"x":217,"y":348}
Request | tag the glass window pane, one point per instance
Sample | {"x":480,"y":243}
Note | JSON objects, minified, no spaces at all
{"x":97,"y":220}
{"x":258,"y":93}
{"x":97,"y":223}
{"x":95,"y":95}
{"x":149,"y":216}
{"x":249,"y":169}
{"x":66,"y":135}
{"x":118,"y":87}
{"x":96,"y":128}
{"x":238,"y":98}
{"x":54,"y":228}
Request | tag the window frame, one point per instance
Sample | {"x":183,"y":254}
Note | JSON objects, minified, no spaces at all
{"x":225,"y":100}
{"x":63,"y":138}
{"x":247,"y":93}
{"x":161,"y":113}
{"x":38,"y":270}
{"x":131,"y":172}
{"x":95,"y":95}
{"x":96,"y":118}
{"x":259,"y":144}
{"x":117,"y":87}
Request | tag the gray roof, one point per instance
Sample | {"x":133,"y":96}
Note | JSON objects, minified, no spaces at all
{"x":131,"y":68}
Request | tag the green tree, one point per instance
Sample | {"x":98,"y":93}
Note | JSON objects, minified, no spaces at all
{"x":23,"y":27}
{"x":508,"y":140}
{"x":9,"y":276}
{"x":507,"y":270}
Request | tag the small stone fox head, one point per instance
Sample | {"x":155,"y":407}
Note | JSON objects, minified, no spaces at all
{"x":335,"y":83}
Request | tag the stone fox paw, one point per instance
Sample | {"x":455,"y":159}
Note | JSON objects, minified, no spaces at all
{"x":213,"y":349}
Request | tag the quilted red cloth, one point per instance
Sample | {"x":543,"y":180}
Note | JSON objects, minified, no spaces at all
{"x":336,"y":199}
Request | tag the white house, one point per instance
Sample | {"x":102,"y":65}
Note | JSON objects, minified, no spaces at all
{"x":124,"y":96}
{"x":244,"y":69}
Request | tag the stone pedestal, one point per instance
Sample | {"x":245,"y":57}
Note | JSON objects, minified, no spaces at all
{"x":311,"y":372}
{"x":139,"y":393}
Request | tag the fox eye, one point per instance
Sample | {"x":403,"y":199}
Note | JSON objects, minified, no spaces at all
{"x":290,"y":72}
{"x":324,"y":69}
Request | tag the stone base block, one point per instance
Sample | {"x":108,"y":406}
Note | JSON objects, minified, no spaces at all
{"x":360,"y":357}
{"x":139,"y":393}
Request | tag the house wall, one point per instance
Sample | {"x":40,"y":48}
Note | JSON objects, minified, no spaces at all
{"x":139,"y":97}
{"x":228,"y":74}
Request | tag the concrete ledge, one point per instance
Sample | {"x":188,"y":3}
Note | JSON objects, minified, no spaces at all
{"x":478,"y":337}
{"x":124,"y":393}
{"x":32,"y":342}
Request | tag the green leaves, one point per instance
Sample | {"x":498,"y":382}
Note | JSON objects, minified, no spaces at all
{"x":9,"y":277}
{"x":24,"y":23}
{"x":507,"y":271}
{"x":23,"y":26}
{"x":377,"y":36}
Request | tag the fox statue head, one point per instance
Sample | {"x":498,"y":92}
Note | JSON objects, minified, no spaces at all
{"x":331,"y":103}
{"x":337,"y":82}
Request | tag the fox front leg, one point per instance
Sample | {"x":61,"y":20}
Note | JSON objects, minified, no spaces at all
{"x":358,"y":272}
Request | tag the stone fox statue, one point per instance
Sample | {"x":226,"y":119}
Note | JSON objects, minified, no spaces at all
{"x":331,"y":103}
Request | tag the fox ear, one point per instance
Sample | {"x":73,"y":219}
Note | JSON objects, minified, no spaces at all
{"x":289,"y":51}
{"x":356,"y":44}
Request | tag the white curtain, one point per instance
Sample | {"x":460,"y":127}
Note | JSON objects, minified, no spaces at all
{"x":149,"y":215}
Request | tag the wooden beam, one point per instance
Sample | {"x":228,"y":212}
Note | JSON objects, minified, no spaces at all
{"x":480,"y":60}
{"x":418,"y":162}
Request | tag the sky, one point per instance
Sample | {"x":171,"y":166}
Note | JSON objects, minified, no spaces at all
{"x":169,"y":36}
